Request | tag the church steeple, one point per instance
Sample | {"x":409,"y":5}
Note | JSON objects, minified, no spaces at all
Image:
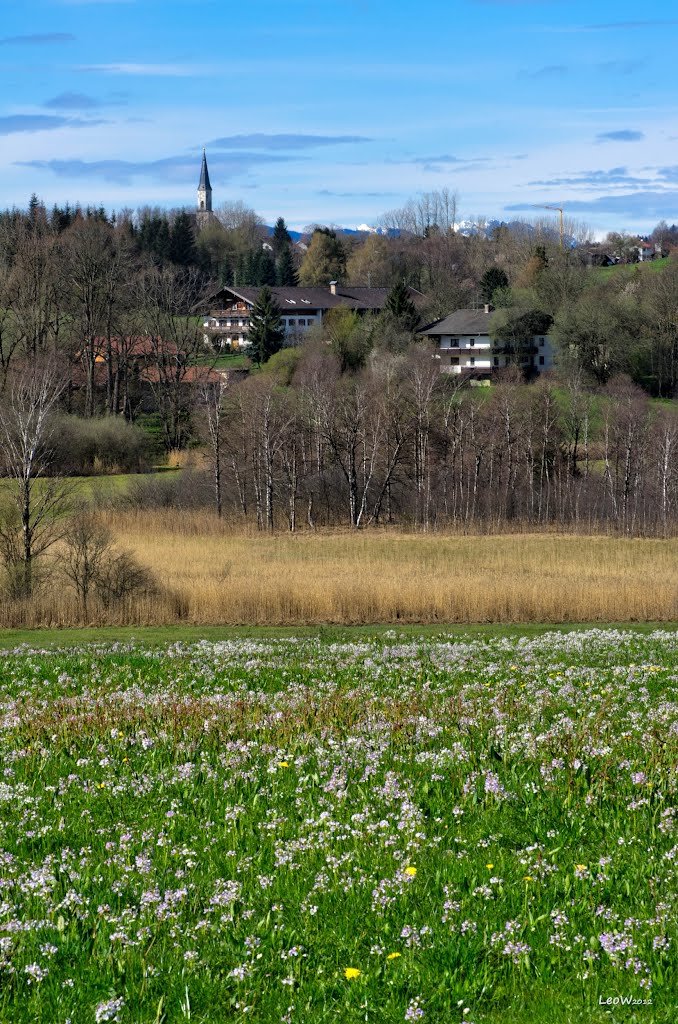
{"x":204,"y":188}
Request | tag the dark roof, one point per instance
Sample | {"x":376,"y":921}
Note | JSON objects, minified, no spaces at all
{"x":462,"y":321}
{"x":299,"y":298}
{"x":204,"y":175}
{"x":374,"y":298}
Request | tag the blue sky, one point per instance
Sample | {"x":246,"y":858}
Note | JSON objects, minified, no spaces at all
{"x":337,"y":113}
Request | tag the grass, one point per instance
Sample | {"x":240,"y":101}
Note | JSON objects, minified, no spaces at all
{"x":158,"y":636}
{"x":212,"y":574}
{"x":309,"y":831}
{"x":651,"y":267}
{"x":91,"y":487}
{"x":227,"y":361}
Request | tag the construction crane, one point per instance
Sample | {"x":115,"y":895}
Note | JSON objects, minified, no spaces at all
{"x":559,"y":210}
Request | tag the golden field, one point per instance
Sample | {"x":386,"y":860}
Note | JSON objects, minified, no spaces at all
{"x":211,"y":573}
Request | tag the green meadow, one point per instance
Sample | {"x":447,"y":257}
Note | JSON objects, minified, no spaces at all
{"x":304,"y":827}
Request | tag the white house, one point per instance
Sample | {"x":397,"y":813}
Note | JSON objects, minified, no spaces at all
{"x":465,"y":347}
{"x":227,"y":323}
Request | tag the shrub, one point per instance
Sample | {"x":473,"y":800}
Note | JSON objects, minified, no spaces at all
{"x":187,"y":489}
{"x":105,"y":444}
{"x":93,"y":565}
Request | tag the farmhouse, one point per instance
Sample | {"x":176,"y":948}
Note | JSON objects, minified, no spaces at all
{"x":464,"y":346}
{"x":227,"y":322}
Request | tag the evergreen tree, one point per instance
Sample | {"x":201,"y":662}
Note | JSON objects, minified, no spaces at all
{"x":162,"y":242}
{"x":182,"y":240}
{"x":281,"y":237}
{"x":33,"y":208}
{"x":266,"y":273}
{"x":62,"y":218}
{"x":400,"y":305}
{"x":227,"y":271}
{"x":240,"y":270}
{"x":267,"y":331}
{"x":253,"y":267}
{"x":286,"y":275}
{"x":37,"y":214}
{"x":492,"y":279}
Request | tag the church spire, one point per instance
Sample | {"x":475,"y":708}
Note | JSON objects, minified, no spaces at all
{"x":204,"y":188}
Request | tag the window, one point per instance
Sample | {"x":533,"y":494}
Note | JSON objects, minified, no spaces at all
{"x":541,"y":342}
{"x":454,"y":360}
{"x":541,"y":360}
{"x":472,"y":361}
{"x":302,"y":323}
{"x":471,"y":342}
{"x":292,"y":322}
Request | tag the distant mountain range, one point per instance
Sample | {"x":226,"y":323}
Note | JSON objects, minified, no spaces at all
{"x":466,"y":228}
{"x":362,"y":229}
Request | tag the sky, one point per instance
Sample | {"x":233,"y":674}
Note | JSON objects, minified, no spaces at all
{"x":337,"y":113}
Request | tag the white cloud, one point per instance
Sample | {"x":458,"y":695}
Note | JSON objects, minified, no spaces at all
{"x":157,"y":70}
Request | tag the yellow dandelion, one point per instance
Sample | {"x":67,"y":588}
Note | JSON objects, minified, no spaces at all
{"x":352,"y":972}
{"x":283,"y":764}
{"x":580,"y":867}
{"x":392,"y":956}
{"x":528,"y":878}
{"x":411,"y":871}
{"x":489,"y":866}
{"x":102,"y":785}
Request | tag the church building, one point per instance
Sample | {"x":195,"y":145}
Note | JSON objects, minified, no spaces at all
{"x":204,"y":212}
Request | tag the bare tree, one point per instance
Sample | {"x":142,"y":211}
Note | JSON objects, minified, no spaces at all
{"x":211,"y":394}
{"x":87,"y":549}
{"x":33,"y":292}
{"x":9,"y":336}
{"x":26,"y":433}
{"x":164,"y":301}
{"x":93,"y":564}
{"x":90,"y":277}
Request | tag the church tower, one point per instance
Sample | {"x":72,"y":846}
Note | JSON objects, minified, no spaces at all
{"x":204,"y":193}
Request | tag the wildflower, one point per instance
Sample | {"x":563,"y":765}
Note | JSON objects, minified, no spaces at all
{"x":392,"y":956}
{"x":283,"y":764}
{"x":489,"y":866}
{"x":411,"y":871}
{"x":109,"y":1011}
{"x":528,"y":878}
{"x":352,"y":972}
{"x":414,"y":1010}
{"x":35,"y":972}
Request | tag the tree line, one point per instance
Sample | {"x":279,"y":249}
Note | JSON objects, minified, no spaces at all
{"x":397,"y":442}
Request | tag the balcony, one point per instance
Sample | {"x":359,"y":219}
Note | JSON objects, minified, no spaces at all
{"x":470,"y":350}
{"x":515,"y":350}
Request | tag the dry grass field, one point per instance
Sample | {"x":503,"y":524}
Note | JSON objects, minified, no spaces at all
{"x":210,"y":573}
{"x":227,"y":577}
